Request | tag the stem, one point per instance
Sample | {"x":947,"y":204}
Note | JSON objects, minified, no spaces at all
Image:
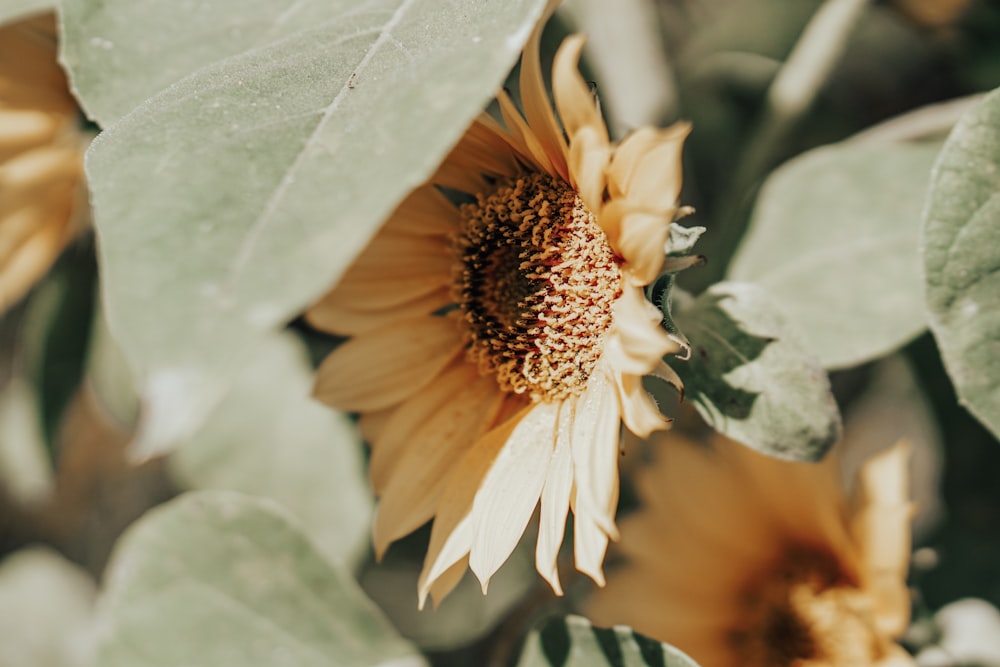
{"x":797,"y":84}
{"x":790,"y":96}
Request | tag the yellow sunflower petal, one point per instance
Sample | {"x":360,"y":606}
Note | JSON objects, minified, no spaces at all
{"x":646,"y":167}
{"x":576,"y":105}
{"x":384,"y":366}
{"x":510,"y":491}
{"x":638,"y":409}
{"x":534,"y":97}
{"x":641,"y":241}
{"x":417,"y":480}
{"x":881,"y":526}
{"x":390,"y":442}
{"x":453,"y":532}
{"x":335,"y":317}
{"x":481,"y":150}
{"x":588,"y":160}
{"x":425,"y":211}
{"x":595,"y":447}
{"x":638,"y":343}
{"x":531,"y":148}
{"x":555,"y":500}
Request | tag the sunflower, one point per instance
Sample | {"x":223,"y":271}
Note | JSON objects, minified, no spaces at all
{"x":498,"y":344}
{"x":744,"y":560}
{"x":41,"y":156}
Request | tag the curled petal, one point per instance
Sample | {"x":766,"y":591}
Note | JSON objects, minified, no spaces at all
{"x":576,"y":105}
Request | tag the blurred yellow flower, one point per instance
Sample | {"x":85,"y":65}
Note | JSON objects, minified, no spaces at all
{"x":498,"y":345}
{"x":742,"y":560}
{"x":42,"y":197}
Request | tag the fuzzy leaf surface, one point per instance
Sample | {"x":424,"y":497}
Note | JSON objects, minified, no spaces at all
{"x":231,"y":200}
{"x":12,"y":10}
{"x":270,"y":438}
{"x":219,"y":578}
{"x":751,"y":377}
{"x":962,"y":259}
{"x":834,"y":238}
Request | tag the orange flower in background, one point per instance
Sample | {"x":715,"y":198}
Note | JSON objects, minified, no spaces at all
{"x":498,"y":345}
{"x":742,"y":560}
{"x":42,"y":194}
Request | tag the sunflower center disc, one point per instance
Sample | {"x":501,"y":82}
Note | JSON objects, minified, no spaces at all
{"x":537,"y":284}
{"x":806,"y":610}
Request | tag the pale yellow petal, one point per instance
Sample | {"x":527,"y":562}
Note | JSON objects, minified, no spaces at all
{"x":535,"y":99}
{"x":588,"y":160}
{"x":595,"y":447}
{"x":384,"y":366}
{"x":555,"y":500}
{"x":452,"y":533}
{"x":511,"y":489}
{"x":416,"y":481}
{"x":576,"y":105}
{"x":646,"y":167}
{"x":881,"y":527}
{"x":590,"y":539}
{"x":642,"y":242}
{"x":639,"y":411}
{"x":638,"y":343}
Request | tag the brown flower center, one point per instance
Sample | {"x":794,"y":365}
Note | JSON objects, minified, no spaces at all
{"x":537,"y":284}
{"x":806,"y":611}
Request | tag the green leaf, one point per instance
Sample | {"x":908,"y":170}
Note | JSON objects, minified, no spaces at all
{"x":834,"y":238}
{"x":573,"y":642}
{"x":962,"y":259}
{"x":750,"y":376}
{"x":12,"y":10}
{"x":46,"y":610}
{"x":270,"y":438}
{"x":219,"y":578}
{"x":236,"y":197}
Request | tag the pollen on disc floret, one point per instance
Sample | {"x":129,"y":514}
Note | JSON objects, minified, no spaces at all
{"x":536,"y":284}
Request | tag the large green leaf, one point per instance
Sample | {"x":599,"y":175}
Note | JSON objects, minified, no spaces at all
{"x":750,"y":376}
{"x":46,"y":611}
{"x":270,"y":438}
{"x":573,"y":642}
{"x":962,"y":259}
{"x":230,"y":201}
{"x":219,"y":578}
{"x":834,"y":238}
{"x":11,"y":10}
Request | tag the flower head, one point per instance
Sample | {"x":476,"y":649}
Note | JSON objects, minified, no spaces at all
{"x":497,"y":345}
{"x":744,"y":560}
{"x":41,"y":156}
